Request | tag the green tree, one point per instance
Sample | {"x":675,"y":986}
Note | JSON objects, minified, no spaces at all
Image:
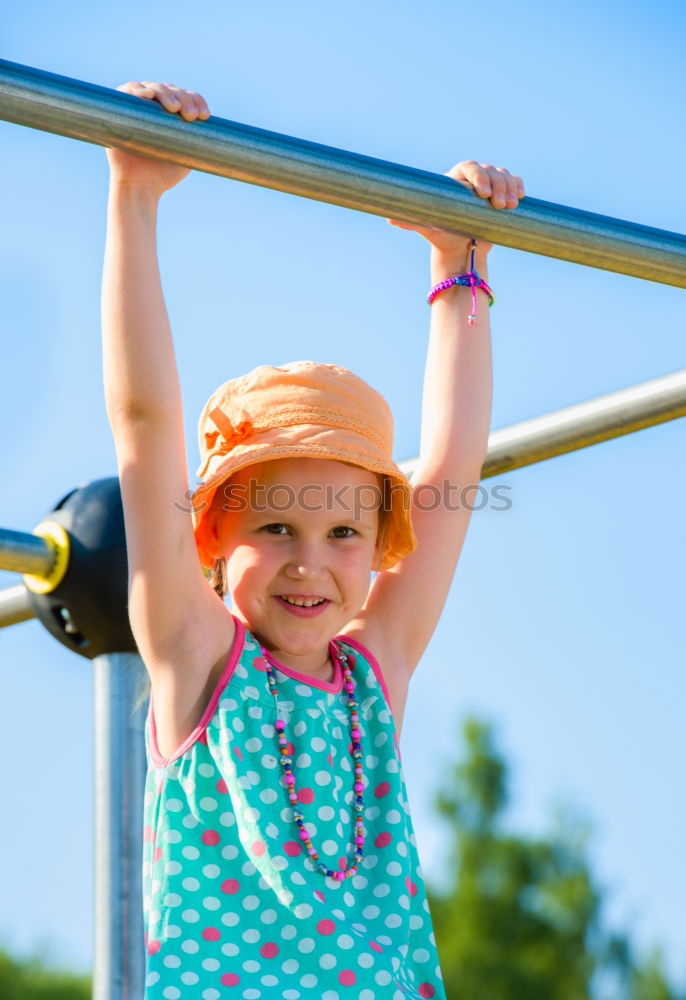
{"x":519,"y":917}
{"x":33,"y":978}
{"x":649,"y":982}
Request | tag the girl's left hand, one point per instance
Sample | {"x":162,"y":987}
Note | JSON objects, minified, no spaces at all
{"x":496,"y":184}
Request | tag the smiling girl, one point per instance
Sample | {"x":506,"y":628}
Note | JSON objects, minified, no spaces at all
{"x":280,"y":859}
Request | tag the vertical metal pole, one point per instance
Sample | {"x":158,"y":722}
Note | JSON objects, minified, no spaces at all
{"x":120,"y":768}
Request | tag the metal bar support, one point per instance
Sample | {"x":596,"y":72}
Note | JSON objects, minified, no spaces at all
{"x":120,"y":768}
{"x":108,"y":117}
{"x":22,"y":552}
{"x":15,"y":606}
{"x":600,"y":418}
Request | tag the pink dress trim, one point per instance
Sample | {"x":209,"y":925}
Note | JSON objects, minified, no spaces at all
{"x":361,"y":648}
{"x":334,"y":687}
{"x":236,"y":649}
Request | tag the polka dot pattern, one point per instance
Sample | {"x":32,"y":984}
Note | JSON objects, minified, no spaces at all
{"x":233,"y":905}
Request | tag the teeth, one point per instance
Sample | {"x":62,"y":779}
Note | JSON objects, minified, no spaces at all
{"x":302,"y":604}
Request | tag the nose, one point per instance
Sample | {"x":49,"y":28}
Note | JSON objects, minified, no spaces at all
{"x":306,"y":562}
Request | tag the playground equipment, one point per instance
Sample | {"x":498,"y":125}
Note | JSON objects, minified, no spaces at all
{"x":73,"y":562}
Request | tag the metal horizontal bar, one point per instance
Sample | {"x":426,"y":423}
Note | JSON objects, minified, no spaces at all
{"x":22,"y":552}
{"x":15,"y":606}
{"x":600,"y":418}
{"x":109,"y":117}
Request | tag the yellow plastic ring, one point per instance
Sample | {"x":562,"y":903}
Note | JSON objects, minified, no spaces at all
{"x":58,"y":538}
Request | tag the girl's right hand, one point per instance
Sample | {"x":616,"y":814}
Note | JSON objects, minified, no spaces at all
{"x":145,"y":171}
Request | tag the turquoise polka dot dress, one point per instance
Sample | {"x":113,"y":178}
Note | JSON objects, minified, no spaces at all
{"x":233,"y":904}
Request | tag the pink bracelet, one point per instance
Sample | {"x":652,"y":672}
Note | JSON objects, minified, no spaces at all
{"x":472,"y":279}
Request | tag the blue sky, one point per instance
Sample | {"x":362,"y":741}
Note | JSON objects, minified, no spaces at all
{"x":562,"y":626}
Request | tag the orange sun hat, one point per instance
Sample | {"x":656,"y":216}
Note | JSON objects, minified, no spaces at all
{"x":300,"y":409}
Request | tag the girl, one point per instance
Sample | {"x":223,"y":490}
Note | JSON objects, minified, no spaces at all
{"x":279,"y":853}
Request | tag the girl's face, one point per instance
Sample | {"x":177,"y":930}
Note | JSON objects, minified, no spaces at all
{"x":300,"y":528}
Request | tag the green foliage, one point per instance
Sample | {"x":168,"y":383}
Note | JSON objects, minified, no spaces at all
{"x":650,"y":982}
{"x":32,"y":979}
{"x":520,"y":918}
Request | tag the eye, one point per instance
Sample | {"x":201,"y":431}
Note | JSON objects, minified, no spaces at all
{"x":276,"y":525}
{"x":344,"y":527}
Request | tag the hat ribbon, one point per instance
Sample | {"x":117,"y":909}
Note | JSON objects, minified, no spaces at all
{"x":221,"y":441}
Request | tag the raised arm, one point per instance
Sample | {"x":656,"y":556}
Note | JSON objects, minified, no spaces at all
{"x":169,"y":599}
{"x":406,"y":601}
{"x":139,"y":367}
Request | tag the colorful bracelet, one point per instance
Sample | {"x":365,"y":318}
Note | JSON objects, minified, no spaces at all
{"x":471,"y":279}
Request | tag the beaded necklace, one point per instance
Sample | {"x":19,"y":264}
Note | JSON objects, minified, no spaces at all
{"x":286,"y":764}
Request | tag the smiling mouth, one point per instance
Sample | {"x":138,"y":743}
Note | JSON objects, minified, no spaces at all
{"x":302,"y":607}
{"x":303,"y":602}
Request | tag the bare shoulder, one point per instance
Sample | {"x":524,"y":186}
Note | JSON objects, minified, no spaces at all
{"x":367,"y":630}
{"x":184,"y":675}
{"x":204,"y":631}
